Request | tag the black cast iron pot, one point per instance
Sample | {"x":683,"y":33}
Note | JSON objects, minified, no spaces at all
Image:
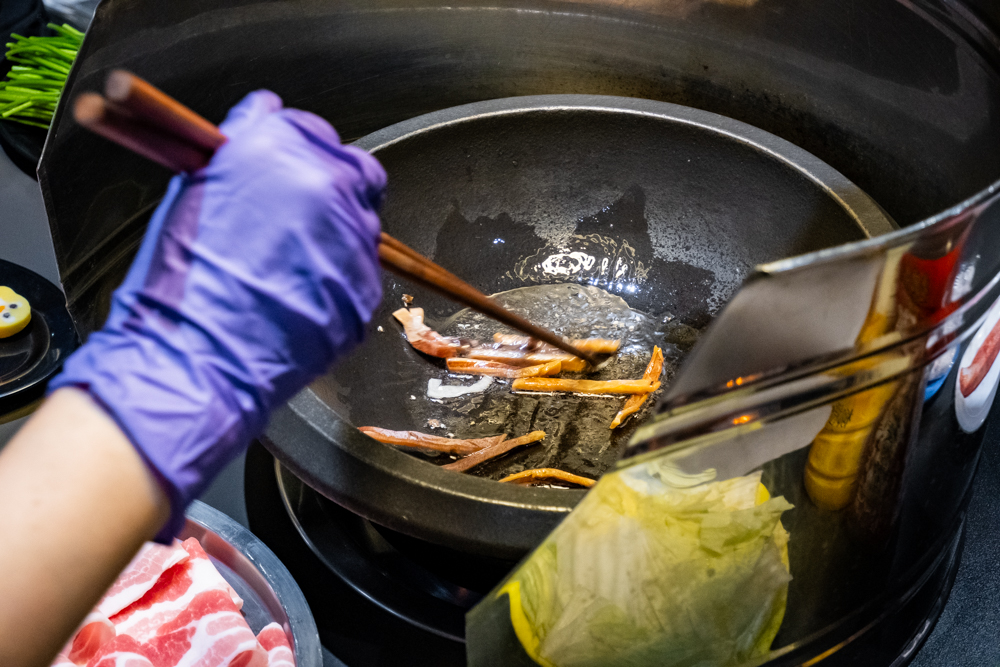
{"x":665,"y":206}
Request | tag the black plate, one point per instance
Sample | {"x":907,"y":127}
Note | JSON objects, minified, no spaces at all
{"x":29,"y":358}
{"x":23,"y":145}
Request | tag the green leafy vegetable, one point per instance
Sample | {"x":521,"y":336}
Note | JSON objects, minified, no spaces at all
{"x":644,"y":573}
{"x":31,"y":91}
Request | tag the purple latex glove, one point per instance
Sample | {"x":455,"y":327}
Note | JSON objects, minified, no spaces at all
{"x":256,"y":273}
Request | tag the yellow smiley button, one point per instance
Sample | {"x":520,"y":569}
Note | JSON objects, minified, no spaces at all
{"x":15,"y":312}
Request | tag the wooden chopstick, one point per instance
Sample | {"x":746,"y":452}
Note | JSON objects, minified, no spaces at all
{"x":417,"y":268}
{"x":140,"y":117}
{"x":118,"y":125}
{"x":157,"y":109}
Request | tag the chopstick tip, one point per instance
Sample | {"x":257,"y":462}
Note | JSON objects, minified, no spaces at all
{"x":118,"y":85}
{"x":88,"y":108}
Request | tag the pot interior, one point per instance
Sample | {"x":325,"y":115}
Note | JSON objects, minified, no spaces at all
{"x":573,"y":207}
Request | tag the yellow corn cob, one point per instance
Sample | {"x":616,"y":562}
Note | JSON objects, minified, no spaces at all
{"x":835,"y":456}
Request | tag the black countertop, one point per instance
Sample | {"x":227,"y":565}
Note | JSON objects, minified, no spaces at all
{"x":966,"y":633}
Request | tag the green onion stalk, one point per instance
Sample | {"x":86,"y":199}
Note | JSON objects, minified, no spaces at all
{"x":32,"y":88}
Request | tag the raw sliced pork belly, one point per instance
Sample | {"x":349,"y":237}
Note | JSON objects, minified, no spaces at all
{"x":211,"y":632}
{"x":95,"y":631}
{"x":122,"y":651}
{"x":140,"y":575}
{"x":172,"y":609}
{"x":274,"y":640}
{"x":173,"y":594}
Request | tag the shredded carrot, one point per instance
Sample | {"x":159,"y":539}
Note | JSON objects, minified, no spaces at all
{"x":544,"y":475}
{"x":632,"y":405}
{"x":483,"y":455}
{"x":432,"y":442}
{"x":593,"y":345}
{"x":480,"y":367}
{"x":586,"y":386}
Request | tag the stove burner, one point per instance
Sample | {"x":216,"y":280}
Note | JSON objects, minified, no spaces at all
{"x":379,"y":598}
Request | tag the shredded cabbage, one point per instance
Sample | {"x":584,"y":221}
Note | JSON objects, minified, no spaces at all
{"x":644,"y":573}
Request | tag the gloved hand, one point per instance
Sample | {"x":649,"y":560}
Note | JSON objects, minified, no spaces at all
{"x":256,"y":273}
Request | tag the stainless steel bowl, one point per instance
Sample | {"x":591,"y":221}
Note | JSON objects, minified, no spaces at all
{"x":269,"y":592}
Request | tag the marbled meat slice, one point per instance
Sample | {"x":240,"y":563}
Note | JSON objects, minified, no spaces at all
{"x":430,"y":442}
{"x":279,"y":650}
{"x":172,"y":594}
{"x":592,"y":345}
{"x":425,"y":339}
{"x":496,"y":369}
{"x":547,"y":476}
{"x":140,"y":575}
{"x":586,"y":386}
{"x":95,"y":631}
{"x":483,"y":455}
{"x":653,"y":371}
{"x":122,"y":651}
{"x":209,"y":632}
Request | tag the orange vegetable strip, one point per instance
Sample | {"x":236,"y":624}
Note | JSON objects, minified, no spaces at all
{"x":632,"y":405}
{"x":586,"y":386}
{"x":570,"y":364}
{"x":480,"y":367}
{"x":594,"y":345}
{"x":423,"y":338}
{"x":551,"y":368}
{"x":483,"y":455}
{"x":432,"y":442}
{"x":542,"y":475}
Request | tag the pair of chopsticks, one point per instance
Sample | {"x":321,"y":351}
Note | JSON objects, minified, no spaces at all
{"x":140,"y":117}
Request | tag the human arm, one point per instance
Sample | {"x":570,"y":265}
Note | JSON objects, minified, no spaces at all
{"x":77,"y":502}
{"x":256,"y":274}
